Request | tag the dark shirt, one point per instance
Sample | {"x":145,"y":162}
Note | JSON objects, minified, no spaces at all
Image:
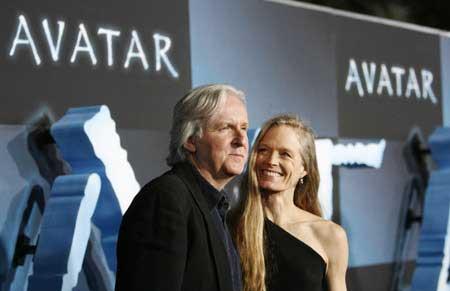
{"x":219,"y":206}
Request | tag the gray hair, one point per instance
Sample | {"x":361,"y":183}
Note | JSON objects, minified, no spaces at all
{"x":191,"y":113}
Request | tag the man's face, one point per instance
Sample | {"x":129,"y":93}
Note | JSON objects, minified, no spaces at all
{"x":221,"y":152}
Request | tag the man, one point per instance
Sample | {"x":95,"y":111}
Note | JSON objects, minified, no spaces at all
{"x":174,"y":236}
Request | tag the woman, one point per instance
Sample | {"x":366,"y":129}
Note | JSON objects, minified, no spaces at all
{"x":283,"y":241}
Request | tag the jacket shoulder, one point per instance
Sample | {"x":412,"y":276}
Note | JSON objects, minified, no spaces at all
{"x":167,"y":182}
{"x":167,"y":190}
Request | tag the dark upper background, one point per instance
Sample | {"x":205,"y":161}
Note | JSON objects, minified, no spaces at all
{"x":432,"y":13}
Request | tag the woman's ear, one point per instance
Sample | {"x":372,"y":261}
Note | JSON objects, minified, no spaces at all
{"x":304,"y":174}
{"x":189,"y":145}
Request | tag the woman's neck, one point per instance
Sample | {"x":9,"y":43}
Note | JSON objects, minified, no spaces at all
{"x":279,"y":207}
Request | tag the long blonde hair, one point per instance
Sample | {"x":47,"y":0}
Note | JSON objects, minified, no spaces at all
{"x":249,"y":233}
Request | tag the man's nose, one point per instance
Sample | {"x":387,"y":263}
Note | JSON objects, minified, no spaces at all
{"x":240,"y":138}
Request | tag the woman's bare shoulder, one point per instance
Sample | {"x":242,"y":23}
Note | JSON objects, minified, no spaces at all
{"x":329,"y":231}
{"x":326,"y":231}
{"x":333,"y":238}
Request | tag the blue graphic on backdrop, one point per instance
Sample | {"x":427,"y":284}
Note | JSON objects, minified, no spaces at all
{"x":432,"y":264}
{"x":65,"y":232}
{"x":72,"y":227}
{"x":27,"y":164}
{"x":88,"y":141}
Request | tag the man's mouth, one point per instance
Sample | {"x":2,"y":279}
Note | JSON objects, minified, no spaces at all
{"x":238,"y":155}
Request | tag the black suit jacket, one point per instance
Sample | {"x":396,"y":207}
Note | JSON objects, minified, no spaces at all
{"x":167,"y":240}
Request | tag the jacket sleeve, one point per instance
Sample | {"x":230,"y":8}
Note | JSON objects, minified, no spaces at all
{"x":152,"y":244}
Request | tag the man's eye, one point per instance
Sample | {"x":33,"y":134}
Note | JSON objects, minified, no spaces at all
{"x":286,"y":154}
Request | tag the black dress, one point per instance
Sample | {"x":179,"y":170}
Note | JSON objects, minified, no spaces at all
{"x":292,"y":264}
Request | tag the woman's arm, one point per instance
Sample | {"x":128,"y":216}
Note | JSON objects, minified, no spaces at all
{"x":337,"y":252}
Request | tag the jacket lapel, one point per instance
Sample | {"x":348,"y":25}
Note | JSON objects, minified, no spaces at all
{"x":223,"y":272}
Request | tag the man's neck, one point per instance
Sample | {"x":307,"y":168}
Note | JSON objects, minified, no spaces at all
{"x":216,"y":182}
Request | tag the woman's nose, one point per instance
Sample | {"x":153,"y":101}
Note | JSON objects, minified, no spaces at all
{"x":272,"y":158}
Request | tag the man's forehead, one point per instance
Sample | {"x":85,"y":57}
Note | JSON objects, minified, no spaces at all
{"x":220,"y":118}
{"x":229,"y":116}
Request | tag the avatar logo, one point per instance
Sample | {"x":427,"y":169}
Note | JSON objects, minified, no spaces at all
{"x":406,"y":82}
{"x":24,"y":40}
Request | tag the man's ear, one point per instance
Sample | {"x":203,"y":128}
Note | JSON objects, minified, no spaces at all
{"x":189,"y":145}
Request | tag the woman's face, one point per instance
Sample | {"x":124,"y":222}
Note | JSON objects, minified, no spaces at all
{"x":279,"y":165}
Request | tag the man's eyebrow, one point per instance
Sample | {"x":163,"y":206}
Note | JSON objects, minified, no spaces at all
{"x":223,"y":122}
{"x":286,"y":150}
{"x":215,"y":124}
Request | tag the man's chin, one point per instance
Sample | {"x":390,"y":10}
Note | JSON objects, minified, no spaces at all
{"x":234,"y":170}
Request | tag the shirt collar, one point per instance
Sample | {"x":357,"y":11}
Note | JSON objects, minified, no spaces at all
{"x":213,"y":197}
